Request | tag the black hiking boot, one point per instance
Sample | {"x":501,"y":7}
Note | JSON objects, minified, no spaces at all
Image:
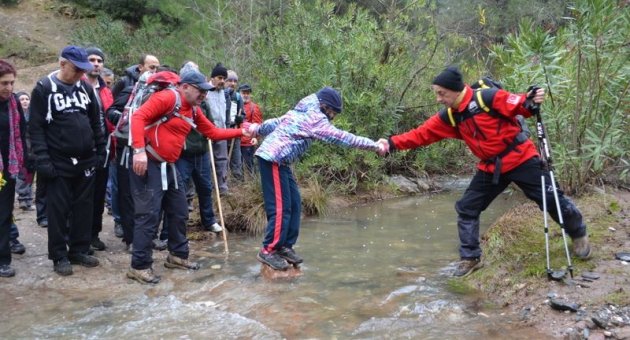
{"x":6,"y":271}
{"x":466,"y":266}
{"x":290,"y":255}
{"x":97,"y":244}
{"x":273,"y":260}
{"x":118,"y":230}
{"x":62,"y":267}
{"x":17,"y":247}
{"x":83,"y":259}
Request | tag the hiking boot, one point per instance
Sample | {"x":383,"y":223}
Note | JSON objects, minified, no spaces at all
{"x":6,"y":271}
{"x":173,"y":261}
{"x":467,"y":266}
{"x":17,"y":247}
{"x":581,"y":247}
{"x":143,"y":275}
{"x":118,"y":230}
{"x":97,"y":244}
{"x":273,"y":260}
{"x":62,"y":267}
{"x":129,"y":248}
{"x":215,"y":228}
{"x":43,"y":223}
{"x":290,"y":255}
{"x":160,"y":245}
{"x":83,"y":259}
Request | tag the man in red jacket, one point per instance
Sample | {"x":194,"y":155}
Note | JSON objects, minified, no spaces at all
{"x":155,"y":182}
{"x":485,"y":120}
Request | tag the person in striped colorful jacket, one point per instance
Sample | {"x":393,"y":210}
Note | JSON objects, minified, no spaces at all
{"x":287,"y":138}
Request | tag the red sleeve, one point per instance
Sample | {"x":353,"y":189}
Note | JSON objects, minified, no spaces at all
{"x":214,"y":133}
{"x":510,"y":104}
{"x":158,"y":104}
{"x":257,"y":116}
{"x":431,"y":131}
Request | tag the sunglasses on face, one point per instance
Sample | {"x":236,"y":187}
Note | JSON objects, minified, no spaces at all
{"x":198,"y":89}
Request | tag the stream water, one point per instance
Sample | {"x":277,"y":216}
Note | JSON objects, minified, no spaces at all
{"x":371,"y":272}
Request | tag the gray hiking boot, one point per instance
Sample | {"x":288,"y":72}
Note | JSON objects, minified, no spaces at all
{"x":173,"y":261}
{"x":143,"y":275}
{"x":273,"y":260}
{"x":466,"y":266}
{"x":6,"y":270}
{"x":581,"y":247}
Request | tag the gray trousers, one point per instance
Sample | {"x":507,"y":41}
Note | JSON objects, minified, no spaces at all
{"x":220,"y":149}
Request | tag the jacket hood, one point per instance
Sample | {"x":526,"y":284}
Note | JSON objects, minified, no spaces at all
{"x":133,"y":72}
{"x":308,"y":103}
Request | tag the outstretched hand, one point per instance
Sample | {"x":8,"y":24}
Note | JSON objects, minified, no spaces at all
{"x":383,"y":147}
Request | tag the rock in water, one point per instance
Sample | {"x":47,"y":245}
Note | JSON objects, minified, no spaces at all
{"x":590,"y":275}
{"x":623,"y":256}
{"x":563,"y":305}
{"x":272,"y":274}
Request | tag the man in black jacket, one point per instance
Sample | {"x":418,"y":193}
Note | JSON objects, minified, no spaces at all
{"x":68,"y":143}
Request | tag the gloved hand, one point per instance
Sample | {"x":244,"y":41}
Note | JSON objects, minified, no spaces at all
{"x":238,"y":120}
{"x":46,"y":169}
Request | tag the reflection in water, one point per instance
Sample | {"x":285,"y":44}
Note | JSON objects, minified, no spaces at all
{"x":376,"y":271}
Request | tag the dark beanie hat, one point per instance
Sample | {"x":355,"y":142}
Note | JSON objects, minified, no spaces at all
{"x":450,"y":79}
{"x":96,"y":51}
{"x":331,"y":98}
{"x":219,"y":70}
{"x":22,"y":93}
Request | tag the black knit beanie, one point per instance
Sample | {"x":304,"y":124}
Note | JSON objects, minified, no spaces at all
{"x":219,"y":70}
{"x":95,"y":51}
{"x":450,"y":79}
{"x":331,"y":98}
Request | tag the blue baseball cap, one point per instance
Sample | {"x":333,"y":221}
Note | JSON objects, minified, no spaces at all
{"x":77,"y":56}
{"x":193,"y":77}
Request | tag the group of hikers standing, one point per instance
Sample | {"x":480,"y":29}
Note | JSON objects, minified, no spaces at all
{"x":74,"y":144}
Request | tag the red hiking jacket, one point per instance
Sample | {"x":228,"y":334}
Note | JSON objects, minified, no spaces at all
{"x":252,"y":115}
{"x":168,"y":138}
{"x":485,"y":135}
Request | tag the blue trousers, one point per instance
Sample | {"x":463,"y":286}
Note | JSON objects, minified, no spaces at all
{"x":198,"y":168}
{"x":481,"y":192}
{"x":283,"y":205}
{"x":148,"y":198}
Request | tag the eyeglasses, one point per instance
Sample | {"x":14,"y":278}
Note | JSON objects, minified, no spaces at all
{"x":198,"y":89}
{"x":96,"y":60}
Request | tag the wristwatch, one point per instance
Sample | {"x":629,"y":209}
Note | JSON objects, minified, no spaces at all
{"x":138,"y":150}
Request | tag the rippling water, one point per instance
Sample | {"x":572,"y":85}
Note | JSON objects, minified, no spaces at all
{"x":370,"y":272}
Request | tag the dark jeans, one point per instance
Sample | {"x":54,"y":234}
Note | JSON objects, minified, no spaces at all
{"x":281,"y":194}
{"x":100,"y":188}
{"x":7,"y":198}
{"x":24,"y":190}
{"x":198,"y":168}
{"x":111,"y":197}
{"x":481,"y":192}
{"x":125,"y":200}
{"x":248,"y":158}
{"x":148,"y":197}
{"x":236,"y":160}
{"x":70,"y":202}
{"x":40,"y":199}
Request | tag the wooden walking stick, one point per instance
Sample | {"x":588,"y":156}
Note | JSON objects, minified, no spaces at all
{"x":216,"y":187}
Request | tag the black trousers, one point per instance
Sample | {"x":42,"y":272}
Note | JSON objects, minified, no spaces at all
{"x":481,"y":192}
{"x":125,"y":200}
{"x":100,"y":189}
{"x":40,"y":199}
{"x":7,"y":198}
{"x":148,"y":198}
{"x":70,"y":202}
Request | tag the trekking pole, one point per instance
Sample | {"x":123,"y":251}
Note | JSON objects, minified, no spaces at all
{"x":216,"y":187}
{"x":546,"y":165}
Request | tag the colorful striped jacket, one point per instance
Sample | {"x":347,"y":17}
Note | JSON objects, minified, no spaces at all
{"x":290,"y":136}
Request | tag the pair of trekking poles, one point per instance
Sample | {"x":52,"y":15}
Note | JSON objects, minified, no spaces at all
{"x":546,"y":165}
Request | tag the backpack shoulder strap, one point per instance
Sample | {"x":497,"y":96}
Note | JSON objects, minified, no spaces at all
{"x":484,"y":98}
{"x":446,"y":115}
